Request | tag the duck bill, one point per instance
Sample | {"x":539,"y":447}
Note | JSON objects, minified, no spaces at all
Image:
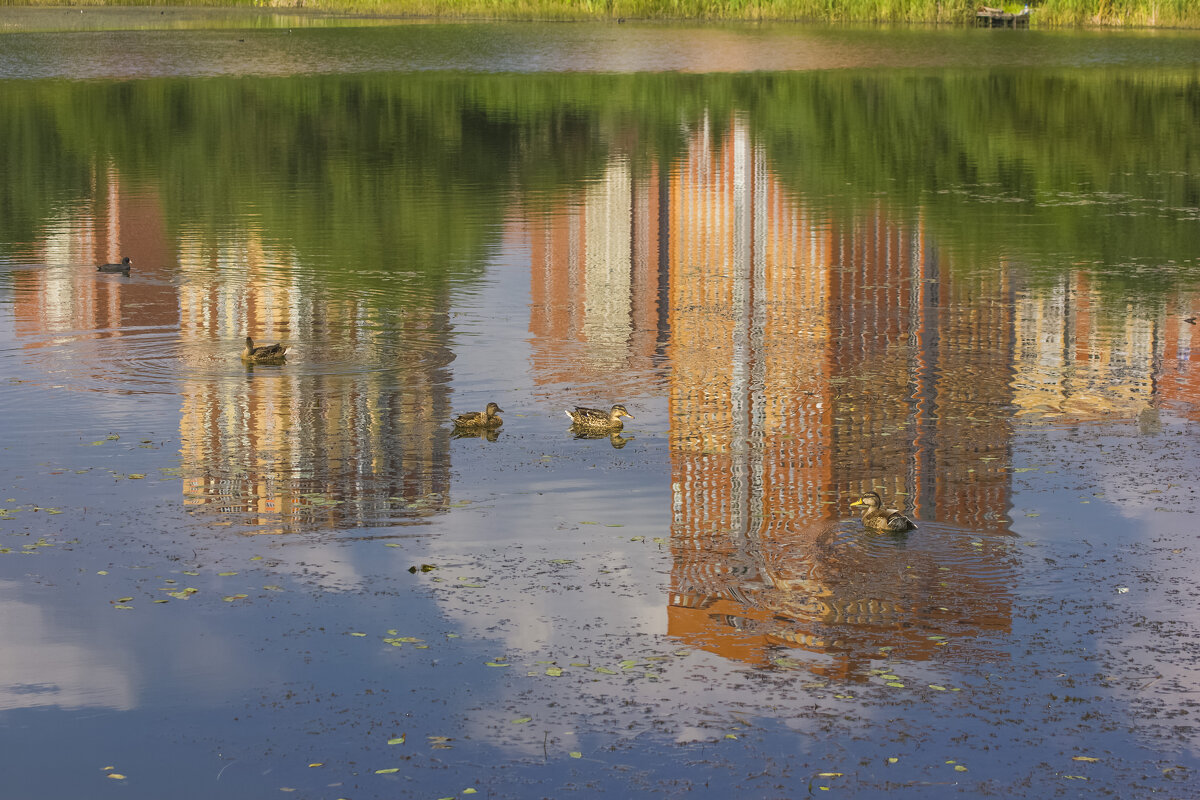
{"x":858,"y":503}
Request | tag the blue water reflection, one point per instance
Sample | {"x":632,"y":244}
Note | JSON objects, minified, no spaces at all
{"x":226,"y":579}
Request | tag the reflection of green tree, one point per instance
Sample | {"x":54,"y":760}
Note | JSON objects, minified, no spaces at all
{"x":415,"y":171}
{"x":1051,"y":167}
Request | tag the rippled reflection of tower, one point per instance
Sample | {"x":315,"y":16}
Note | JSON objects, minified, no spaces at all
{"x":594,"y":274}
{"x":69,"y":296}
{"x":814,"y":357}
{"x":296,"y":445}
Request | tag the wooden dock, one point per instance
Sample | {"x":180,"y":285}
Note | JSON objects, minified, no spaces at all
{"x":995,"y":18}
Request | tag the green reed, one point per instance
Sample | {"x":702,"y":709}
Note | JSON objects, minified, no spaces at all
{"x":1045,"y":13}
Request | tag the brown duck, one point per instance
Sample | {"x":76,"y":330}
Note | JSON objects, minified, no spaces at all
{"x":480,"y":419}
{"x":877,"y":517}
{"x":593,"y":419}
{"x":267,"y":352}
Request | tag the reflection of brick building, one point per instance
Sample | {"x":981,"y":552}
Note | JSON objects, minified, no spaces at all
{"x":339,"y":447}
{"x":813,"y":360}
{"x":1179,"y":385}
{"x":69,"y":295}
{"x":594,"y":276}
{"x":280,"y":451}
{"x":1076,"y":359}
{"x":810,"y":359}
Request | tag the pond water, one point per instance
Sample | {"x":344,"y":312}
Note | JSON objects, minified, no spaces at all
{"x":958,"y":268}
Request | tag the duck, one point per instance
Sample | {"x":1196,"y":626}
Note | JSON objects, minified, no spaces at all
{"x":480,"y":419}
{"x":876,"y":516}
{"x":593,"y":419}
{"x":124,"y":266}
{"x":267,"y":352}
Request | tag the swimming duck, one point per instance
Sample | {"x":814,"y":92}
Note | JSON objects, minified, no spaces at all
{"x":124,"y":266}
{"x":267,"y":352}
{"x":480,"y":419}
{"x":596,"y":420}
{"x":880,"y":518}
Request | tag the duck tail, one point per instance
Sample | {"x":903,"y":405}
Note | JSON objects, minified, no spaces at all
{"x":568,"y":413}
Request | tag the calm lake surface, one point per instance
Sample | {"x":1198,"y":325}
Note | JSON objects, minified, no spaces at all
{"x":956,"y":267}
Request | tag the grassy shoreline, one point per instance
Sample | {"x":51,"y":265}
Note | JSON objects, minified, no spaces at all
{"x":1046,"y":13}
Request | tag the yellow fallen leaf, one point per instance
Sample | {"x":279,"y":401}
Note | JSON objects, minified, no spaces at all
{"x":1088,"y":759}
{"x":116,"y":776}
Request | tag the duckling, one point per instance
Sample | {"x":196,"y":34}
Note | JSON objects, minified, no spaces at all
{"x":596,"y":420}
{"x":480,"y":419}
{"x":123,"y":267}
{"x":880,"y":518}
{"x":267,"y":352}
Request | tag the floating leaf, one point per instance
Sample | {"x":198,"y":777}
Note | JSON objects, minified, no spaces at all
{"x":1088,"y":759}
{"x":469,"y":790}
{"x":124,"y":599}
{"x":388,"y":771}
{"x":357,"y":633}
{"x":116,"y":776}
{"x":135,"y":476}
{"x":521,"y":720}
{"x":123,"y":608}
{"x":892,"y":760}
{"x":497,"y":664}
{"x":936,"y":687}
{"x":317,"y":764}
{"x":226,"y":574}
{"x":232,"y":597}
{"x":399,"y":739}
{"x":731,"y":736}
{"x":554,"y":672}
{"x":896,"y":684}
{"x":575,"y":754}
{"x":605,"y":671}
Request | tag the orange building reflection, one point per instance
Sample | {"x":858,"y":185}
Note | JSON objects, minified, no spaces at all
{"x":277,"y":449}
{"x":811,"y":359}
{"x":68,"y":297}
{"x":328,"y":445}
